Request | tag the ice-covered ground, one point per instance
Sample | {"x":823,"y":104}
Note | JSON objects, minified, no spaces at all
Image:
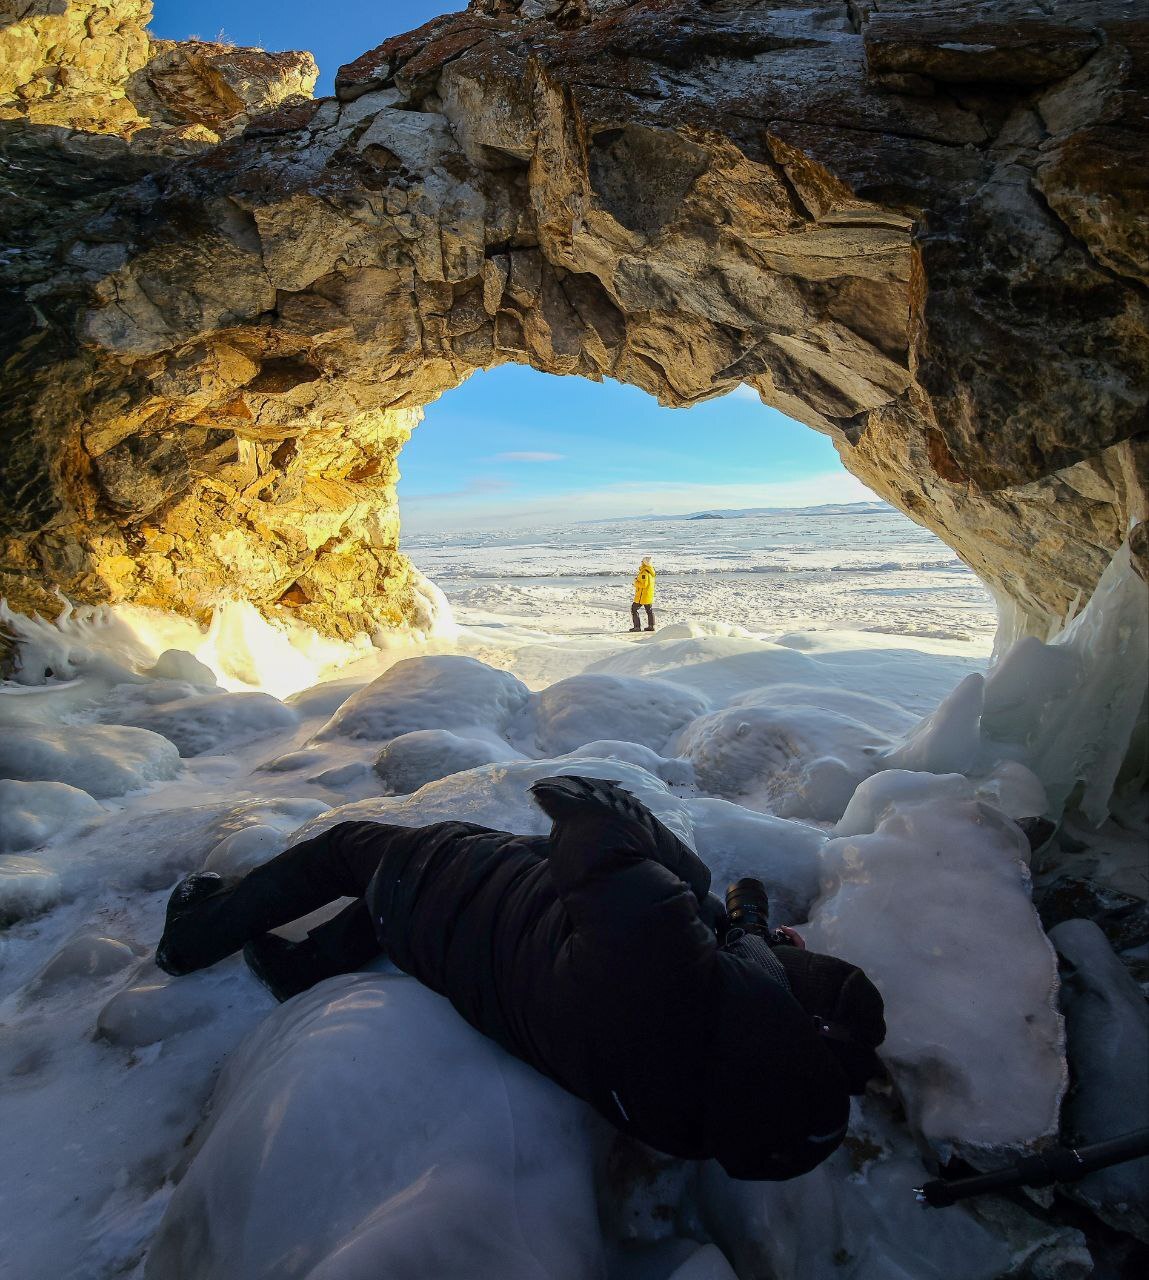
{"x":870,"y":777}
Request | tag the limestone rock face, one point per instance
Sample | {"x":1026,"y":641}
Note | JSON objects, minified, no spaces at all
{"x":921,"y":228}
{"x":93,"y":67}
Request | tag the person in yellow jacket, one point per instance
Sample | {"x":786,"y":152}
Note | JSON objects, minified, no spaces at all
{"x":643,"y":595}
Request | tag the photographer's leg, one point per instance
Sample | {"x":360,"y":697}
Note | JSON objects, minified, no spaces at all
{"x":208,"y":919}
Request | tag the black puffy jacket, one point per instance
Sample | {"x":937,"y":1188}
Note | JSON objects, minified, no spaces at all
{"x":584,"y":954}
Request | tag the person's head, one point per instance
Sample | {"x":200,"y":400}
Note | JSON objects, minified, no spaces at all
{"x":646,"y":563}
{"x":846,"y":1007}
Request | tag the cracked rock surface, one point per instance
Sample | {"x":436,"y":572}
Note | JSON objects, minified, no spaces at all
{"x":920,"y":228}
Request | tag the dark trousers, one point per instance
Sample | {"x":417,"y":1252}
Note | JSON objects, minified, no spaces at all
{"x":294,"y":884}
{"x":634,"y":608}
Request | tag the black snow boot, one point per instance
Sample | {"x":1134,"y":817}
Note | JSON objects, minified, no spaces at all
{"x":592,"y":813}
{"x":285,"y":968}
{"x":191,"y":893}
{"x":203,"y":924}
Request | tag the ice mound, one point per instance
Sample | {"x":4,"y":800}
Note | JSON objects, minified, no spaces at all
{"x":798,"y":761}
{"x":580,"y":709}
{"x":697,"y":627}
{"x":178,"y":664}
{"x":671,"y":770}
{"x":717,"y":667}
{"x":210,"y":721}
{"x":441,"y":1155}
{"x":324,"y":699}
{"x":1011,"y":788}
{"x":1107,"y":1028}
{"x":949,"y":739}
{"x":87,"y":955}
{"x":934,"y":904}
{"x":254,"y":832}
{"x":33,"y":812}
{"x":734,"y":842}
{"x":135,"y":852}
{"x":497,"y":796}
{"x":103,"y":760}
{"x":156,"y":1008}
{"x":27,"y":887}
{"x":354,"y":775}
{"x":1072,"y":711}
{"x":411,"y":760}
{"x":879,"y":713}
{"x":440,"y":692}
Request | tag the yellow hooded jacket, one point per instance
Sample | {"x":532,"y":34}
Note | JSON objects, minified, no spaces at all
{"x":644,"y":584}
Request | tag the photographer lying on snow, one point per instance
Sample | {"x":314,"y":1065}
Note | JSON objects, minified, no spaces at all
{"x":593,"y":954}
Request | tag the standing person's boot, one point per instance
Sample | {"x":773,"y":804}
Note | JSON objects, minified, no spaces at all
{"x":635,"y":625}
{"x":649,"y":618}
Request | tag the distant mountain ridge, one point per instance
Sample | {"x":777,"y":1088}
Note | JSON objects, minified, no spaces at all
{"x":741,"y":513}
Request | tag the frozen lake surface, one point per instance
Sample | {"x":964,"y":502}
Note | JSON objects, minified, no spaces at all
{"x":875,"y":571}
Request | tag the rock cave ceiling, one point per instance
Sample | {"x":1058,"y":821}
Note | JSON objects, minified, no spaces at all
{"x":922,"y":228}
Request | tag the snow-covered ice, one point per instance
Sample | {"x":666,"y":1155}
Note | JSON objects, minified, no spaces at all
{"x":429,"y":693}
{"x":797,"y":761}
{"x":575,"y":711}
{"x":413,"y":759}
{"x":817,"y":710}
{"x":207,"y":722}
{"x":927,"y":901}
{"x":456,"y":1160}
{"x":31,"y":813}
{"x":101,"y":759}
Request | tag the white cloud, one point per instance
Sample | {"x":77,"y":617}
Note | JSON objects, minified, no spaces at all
{"x":527,"y":455}
{"x":629,"y":499}
{"x":474,"y":488}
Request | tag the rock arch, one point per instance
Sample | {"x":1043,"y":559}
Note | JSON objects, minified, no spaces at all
{"x":917,"y":227}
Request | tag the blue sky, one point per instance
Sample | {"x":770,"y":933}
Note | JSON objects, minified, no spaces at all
{"x":512,"y":446}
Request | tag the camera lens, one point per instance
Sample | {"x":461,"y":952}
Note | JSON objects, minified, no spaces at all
{"x":748,"y":906}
